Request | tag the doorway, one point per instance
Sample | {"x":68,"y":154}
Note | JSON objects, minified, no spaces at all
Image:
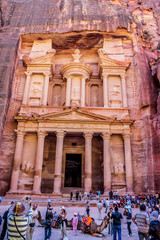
{"x":73,"y":170}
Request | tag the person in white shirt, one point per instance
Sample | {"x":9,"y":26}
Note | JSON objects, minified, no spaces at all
{"x":31,"y":226}
{"x":107,"y":202}
{"x":99,"y":206}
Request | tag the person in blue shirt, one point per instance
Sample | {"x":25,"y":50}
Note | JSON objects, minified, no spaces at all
{"x":116,"y":216}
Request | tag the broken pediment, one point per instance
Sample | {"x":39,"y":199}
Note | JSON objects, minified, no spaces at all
{"x":74,"y":114}
{"x":109,"y":63}
{"x":46,"y":59}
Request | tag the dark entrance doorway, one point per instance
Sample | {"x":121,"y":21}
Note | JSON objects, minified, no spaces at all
{"x":73,"y":170}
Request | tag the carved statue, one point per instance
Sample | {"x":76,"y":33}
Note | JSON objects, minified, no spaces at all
{"x":76,"y":56}
{"x":116,"y":90}
{"x":27,"y":167}
{"x":119,"y":169}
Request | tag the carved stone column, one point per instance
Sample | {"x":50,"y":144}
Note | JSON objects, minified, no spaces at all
{"x":68,"y":92}
{"x":39,"y":162}
{"x":124,"y":91}
{"x":128,"y":163}
{"x":26,"y":89}
{"x":17,"y":160}
{"x":83,"y":91}
{"x":106,"y":161}
{"x":105,"y":90}
{"x":58,"y":162}
{"x":88,"y":161}
{"x":46,"y":86}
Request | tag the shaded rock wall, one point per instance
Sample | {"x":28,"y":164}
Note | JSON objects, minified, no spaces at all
{"x":140,"y":17}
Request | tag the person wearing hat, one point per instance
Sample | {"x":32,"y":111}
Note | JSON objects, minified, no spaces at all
{"x":48,"y":223}
{"x":31,"y":226}
{"x":63,"y":215}
{"x":75,"y":223}
{"x":3,"y":233}
{"x":19,"y":217}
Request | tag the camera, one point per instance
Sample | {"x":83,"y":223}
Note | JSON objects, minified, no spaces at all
{"x":28,"y":198}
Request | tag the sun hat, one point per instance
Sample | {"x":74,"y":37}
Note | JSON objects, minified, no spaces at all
{"x":19,"y":208}
{"x":62,"y":208}
{"x":75,"y":214}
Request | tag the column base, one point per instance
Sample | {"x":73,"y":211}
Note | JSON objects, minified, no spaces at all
{"x":36,"y":192}
{"x":130,"y":192}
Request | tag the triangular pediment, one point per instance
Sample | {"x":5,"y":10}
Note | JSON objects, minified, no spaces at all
{"x":74,"y":114}
{"x":110,"y":62}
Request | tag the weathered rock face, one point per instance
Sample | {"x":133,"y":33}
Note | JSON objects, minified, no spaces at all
{"x":83,"y":24}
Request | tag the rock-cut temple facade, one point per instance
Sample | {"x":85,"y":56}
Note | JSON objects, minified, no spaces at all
{"x":79,"y":97}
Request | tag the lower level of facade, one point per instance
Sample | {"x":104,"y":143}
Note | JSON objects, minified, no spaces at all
{"x":72,"y":150}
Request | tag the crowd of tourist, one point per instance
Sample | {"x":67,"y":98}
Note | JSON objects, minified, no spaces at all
{"x":19,"y":219}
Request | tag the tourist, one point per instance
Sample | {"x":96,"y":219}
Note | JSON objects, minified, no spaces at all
{"x":107,"y":205}
{"x":63,"y":215}
{"x":4,"y":229}
{"x":155,"y":212}
{"x":19,"y":216}
{"x":129,"y":221}
{"x":110,"y":227}
{"x":77,"y":195}
{"x":128,"y":206}
{"x":140,"y":219}
{"x":85,"y":196}
{"x":49,"y":202}
{"x":90,"y":195}
{"x":80,"y":196}
{"x":154,"y":230}
{"x":111,"y":195}
{"x":99,"y":193}
{"x":99,"y":206}
{"x":75,"y":223}
{"x":88,"y":209}
{"x":48,"y":223}
{"x":116,"y":216}
{"x":71,"y":196}
{"x":31,"y":226}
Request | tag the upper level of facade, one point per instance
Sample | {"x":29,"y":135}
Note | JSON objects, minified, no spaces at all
{"x":90,"y":78}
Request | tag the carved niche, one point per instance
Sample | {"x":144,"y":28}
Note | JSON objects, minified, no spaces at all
{"x":75,"y":91}
{"x":36,"y":89}
{"x":94,"y":95}
{"x":57,"y":95}
{"x":115,"y":91}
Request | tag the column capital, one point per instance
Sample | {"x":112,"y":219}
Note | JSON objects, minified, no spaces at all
{"x":41,"y":134}
{"x":28,"y":73}
{"x":106,"y":135}
{"x":126,"y":136}
{"x":20,"y":133}
{"x":123,"y":75}
{"x":88,"y":135}
{"x":60,"y":133}
{"x":105,"y":75}
{"x":47,"y":74}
